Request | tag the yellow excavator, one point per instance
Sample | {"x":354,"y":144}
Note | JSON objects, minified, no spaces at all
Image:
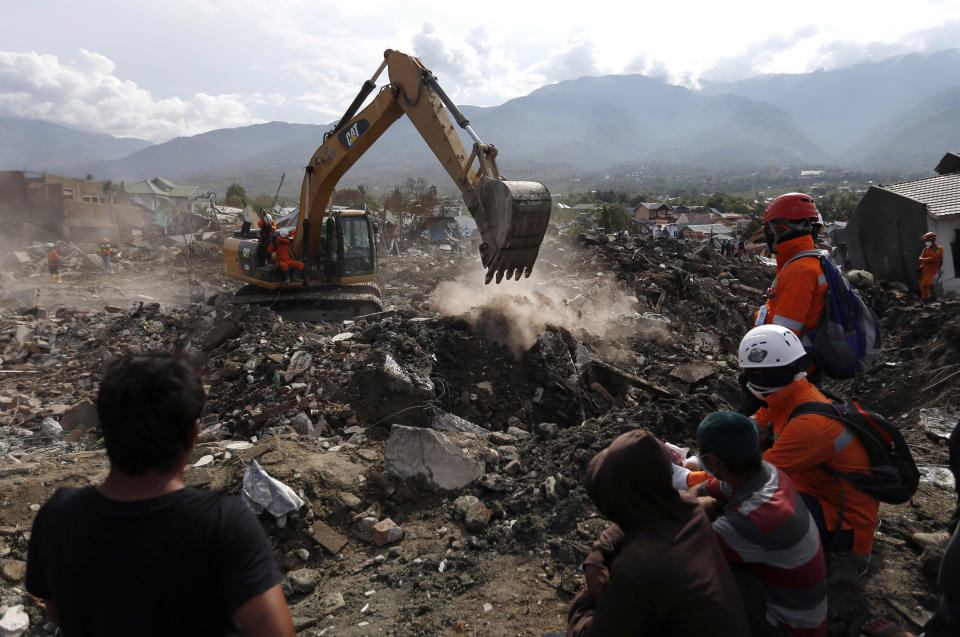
{"x":338,"y":249}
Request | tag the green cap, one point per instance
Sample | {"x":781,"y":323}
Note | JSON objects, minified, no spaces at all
{"x":728,"y":435}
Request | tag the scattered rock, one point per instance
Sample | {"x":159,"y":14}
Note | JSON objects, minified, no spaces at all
{"x":14,"y":622}
{"x":50,"y":427}
{"x":386,"y":532}
{"x":304,"y":580}
{"x":14,"y":570}
{"x":477,"y":517}
{"x":463,"y":503}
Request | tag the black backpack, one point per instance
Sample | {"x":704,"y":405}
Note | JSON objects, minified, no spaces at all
{"x":893,"y":476}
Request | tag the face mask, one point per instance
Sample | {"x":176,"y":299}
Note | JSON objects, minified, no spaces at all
{"x":929,"y":244}
{"x":762,"y":392}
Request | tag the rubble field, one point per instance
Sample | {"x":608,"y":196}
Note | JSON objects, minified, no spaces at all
{"x":433,"y":454}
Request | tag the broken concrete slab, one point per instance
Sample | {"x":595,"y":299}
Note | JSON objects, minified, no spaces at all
{"x":415,"y":452}
{"x":299,"y":363}
{"x":693,"y":372}
{"x":82,"y":412}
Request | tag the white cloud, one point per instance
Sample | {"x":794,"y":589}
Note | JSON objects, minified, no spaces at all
{"x":86,"y":93}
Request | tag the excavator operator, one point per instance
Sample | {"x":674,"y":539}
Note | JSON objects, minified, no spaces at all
{"x":281,"y":245}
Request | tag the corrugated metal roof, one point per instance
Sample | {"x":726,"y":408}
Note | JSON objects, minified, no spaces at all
{"x":164,"y":187}
{"x":940,"y":194}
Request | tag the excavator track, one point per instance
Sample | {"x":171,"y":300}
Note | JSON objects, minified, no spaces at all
{"x":329,"y":303}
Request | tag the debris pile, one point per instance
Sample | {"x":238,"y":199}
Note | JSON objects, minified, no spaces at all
{"x":420,"y":470}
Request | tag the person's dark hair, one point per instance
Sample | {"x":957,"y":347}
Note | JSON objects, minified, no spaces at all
{"x":744,"y":467}
{"x":148,"y":404}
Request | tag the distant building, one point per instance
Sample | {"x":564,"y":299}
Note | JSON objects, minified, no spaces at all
{"x":159,"y":193}
{"x":883,"y":233}
{"x":52,"y":206}
{"x":700,"y":232}
{"x":652,"y":211}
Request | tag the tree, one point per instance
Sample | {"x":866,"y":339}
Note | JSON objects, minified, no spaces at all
{"x":236,"y":196}
{"x":89,"y":177}
{"x":614,"y":218}
{"x":349,"y":197}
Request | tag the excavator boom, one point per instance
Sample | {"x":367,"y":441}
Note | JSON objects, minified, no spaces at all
{"x":512,"y":216}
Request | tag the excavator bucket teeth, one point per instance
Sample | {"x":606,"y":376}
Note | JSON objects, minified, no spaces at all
{"x":512,"y":218}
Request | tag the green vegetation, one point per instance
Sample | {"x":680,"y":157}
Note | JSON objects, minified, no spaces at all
{"x":236,"y":196}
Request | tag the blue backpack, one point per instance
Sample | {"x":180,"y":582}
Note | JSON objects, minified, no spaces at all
{"x":847,"y":340}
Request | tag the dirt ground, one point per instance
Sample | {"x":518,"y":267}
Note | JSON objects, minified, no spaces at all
{"x":607,"y":336}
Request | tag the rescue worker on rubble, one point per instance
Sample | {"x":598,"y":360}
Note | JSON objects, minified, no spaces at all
{"x":106,"y":251}
{"x":931,"y":260}
{"x":765,"y":531}
{"x":657,"y":570}
{"x":775,"y":364}
{"x":281,"y":245}
{"x":795,"y":298}
{"x":53,"y":264}
{"x":268,"y":228}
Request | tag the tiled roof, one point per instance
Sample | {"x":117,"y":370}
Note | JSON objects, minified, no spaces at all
{"x":941,"y":194}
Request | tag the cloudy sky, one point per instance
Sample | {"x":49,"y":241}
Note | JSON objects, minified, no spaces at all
{"x":158,"y":69}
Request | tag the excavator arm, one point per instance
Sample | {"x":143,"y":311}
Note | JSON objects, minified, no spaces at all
{"x":512,"y":216}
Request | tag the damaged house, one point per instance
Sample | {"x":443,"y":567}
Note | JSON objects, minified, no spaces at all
{"x":52,"y":206}
{"x":883,"y":234}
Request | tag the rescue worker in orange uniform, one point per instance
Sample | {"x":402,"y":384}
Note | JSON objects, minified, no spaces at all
{"x":795,"y":298}
{"x":53,"y":263}
{"x":282,"y":247}
{"x":931,"y":260}
{"x":774,"y":361}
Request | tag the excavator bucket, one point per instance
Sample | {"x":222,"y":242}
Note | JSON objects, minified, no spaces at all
{"x":512,"y":217}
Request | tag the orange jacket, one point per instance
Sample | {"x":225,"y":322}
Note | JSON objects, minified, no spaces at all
{"x":809,"y":440}
{"x":931,"y":258}
{"x":53,"y":257}
{"x":282,"y":247}
{"x":795,"y":298}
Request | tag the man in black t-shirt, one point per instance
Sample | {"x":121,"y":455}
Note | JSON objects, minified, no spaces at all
{"x":142,"y":554}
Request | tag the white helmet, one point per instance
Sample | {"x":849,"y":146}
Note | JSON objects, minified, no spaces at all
{"x":769,"y":346}
{"x":268,"y":219}
{"x":49,"y":245}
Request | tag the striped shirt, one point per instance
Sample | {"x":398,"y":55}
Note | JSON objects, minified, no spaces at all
{"x":766,"y":527}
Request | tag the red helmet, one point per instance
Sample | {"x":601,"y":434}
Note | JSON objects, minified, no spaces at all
{"x":793,"y":205}
{"x":930,"y":236}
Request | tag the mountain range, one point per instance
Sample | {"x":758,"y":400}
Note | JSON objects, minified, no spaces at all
{"x":898,"y":115}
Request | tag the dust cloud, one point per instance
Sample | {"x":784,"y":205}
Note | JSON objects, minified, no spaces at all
{"x":516,"y":313}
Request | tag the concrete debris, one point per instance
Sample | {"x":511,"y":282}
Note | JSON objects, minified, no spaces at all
{"x":14,"y":622}
{"x":450,"y":422}
{"x":414,"y":452}
{"x":303,"y":580}
{"x":937,"y":422}
{"x":363,"y":420}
